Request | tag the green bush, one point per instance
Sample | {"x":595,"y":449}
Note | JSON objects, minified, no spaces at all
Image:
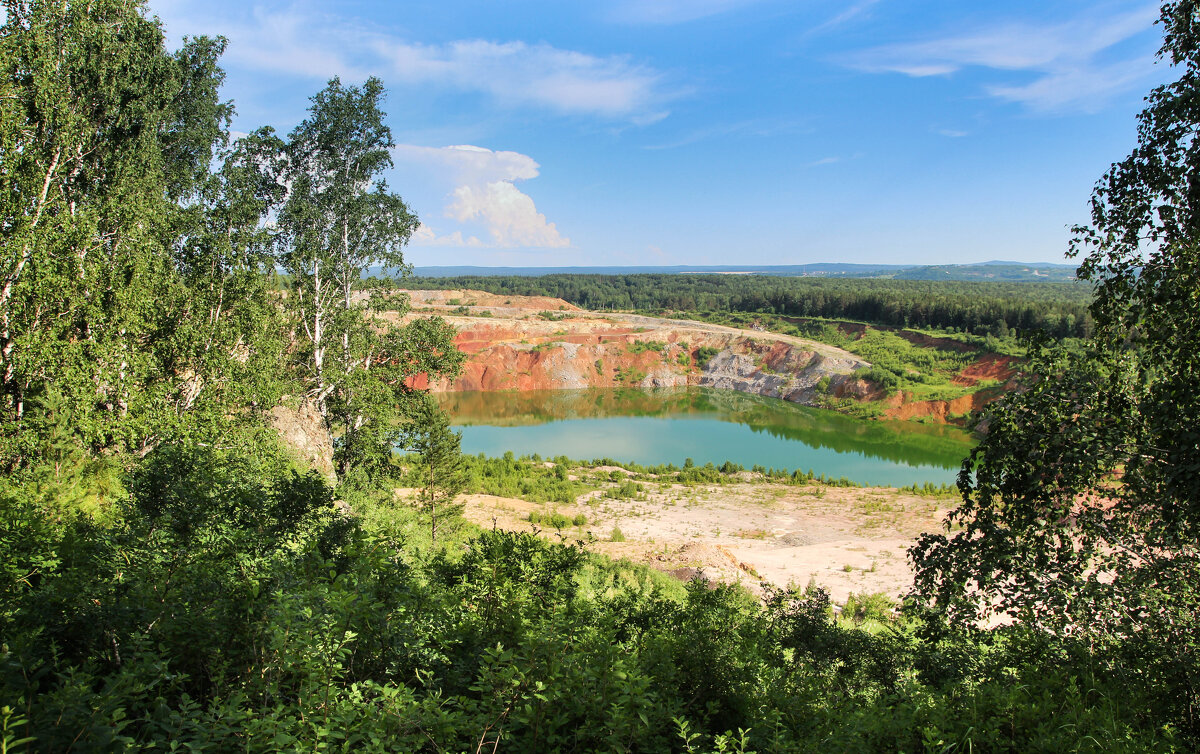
{"x":640,"y":346}
{"x":863,"y":607}
{"x":704,"y":354}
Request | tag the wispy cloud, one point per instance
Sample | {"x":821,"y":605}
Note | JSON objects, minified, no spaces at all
{"x":950,"y":133}
{"x":484,"y":193}
{"x":516,"y":73}
{"x":672,"y":11}
{"x":843,"y":17}
{"x":1067,"y":59}
{"x":296,"y":41}
{"x":754,"y":128}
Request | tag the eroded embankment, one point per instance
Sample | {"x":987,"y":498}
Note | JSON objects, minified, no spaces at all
{"x":538,"y":343}
{"x":514,"y":343}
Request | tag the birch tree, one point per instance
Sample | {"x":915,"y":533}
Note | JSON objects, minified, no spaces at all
{"x":105,"y":136}
{"x":338,"y":220}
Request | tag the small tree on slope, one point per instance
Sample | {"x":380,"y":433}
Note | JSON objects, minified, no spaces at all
{"x":442,"y":470}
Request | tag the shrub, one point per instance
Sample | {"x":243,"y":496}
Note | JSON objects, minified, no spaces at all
{"x":863,"y":607}
{"x":641,"y":346}
{"x":704,"y":354}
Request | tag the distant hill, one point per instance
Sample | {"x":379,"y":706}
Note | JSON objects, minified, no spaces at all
{"x":1006,"y":272}
{"x":798,"y":270}
{"x":997,"y":271}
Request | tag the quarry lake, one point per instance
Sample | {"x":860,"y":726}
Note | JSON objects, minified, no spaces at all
{"x":667,"y":426}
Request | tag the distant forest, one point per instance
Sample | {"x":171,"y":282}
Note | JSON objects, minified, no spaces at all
{"x":980,"y":308}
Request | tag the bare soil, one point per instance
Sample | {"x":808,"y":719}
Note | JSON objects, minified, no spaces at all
{"x":752,"y":533}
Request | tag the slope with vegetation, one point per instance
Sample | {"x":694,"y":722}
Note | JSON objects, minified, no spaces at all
{"x":169,"y":579}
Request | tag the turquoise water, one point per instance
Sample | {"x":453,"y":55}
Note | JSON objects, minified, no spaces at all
{"x":663,"y":426}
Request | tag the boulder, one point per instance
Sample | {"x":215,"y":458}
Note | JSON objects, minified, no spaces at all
{"x":302,"y":430}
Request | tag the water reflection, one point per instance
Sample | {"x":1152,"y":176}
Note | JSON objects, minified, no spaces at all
{"x":668,"y":425}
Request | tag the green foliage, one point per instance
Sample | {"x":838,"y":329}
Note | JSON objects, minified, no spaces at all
{"x":511,"y":477}
{"x":337,"y":219}
{"x":626,"y":490}
{"x":864,"y":607}
{"x":115,"y":292}
{"x":931,"y":489}
{"x":641,"y":346}
{"x":1080,"y":508}
{"x":201,"y":594}
{"x":439,"y":468}
{"x":704,"y":354}
{"x":557,"y":520}
{"x":230,"y":605}
{"x":979,"y":308}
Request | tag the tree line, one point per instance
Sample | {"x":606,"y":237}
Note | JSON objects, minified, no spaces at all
{"x":981,"y":308}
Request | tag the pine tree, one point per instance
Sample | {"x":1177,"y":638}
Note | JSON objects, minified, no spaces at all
{"x":442,"y":470}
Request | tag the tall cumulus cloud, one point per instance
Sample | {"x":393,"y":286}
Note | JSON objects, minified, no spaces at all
{"x":485,"y":194}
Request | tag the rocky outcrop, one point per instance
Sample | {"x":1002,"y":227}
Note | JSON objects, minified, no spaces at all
{"x":587,"y":350}
{"x":302,"y":430}
{"x":784,"y":371}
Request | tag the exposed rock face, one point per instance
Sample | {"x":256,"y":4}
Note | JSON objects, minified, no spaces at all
{"x":303,"y":431}
{"x":783,"y":372}
{"x":515,"y":348}
{"x":537,"y":343}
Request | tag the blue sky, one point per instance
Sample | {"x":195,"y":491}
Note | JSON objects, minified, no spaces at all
{"x":534,"y":133}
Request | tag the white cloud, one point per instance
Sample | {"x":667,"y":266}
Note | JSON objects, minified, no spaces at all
{"x":426,"y":236}
{"x":296,"y":41}
{"x":1065,"y":58}
{"x":485,"y":193}
{"x":471,"y":164}
{"x":1077,"y":88}
{"x":510,"y":215}
{"x":516,"y":73}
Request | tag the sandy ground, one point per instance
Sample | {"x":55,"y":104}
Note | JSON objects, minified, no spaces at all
{"x":844,"y":539}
